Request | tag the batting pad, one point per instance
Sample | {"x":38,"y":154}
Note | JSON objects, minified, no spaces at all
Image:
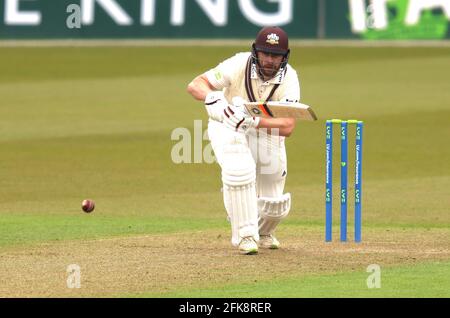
{"x":272,"y":211}
{"x":239,"y":192}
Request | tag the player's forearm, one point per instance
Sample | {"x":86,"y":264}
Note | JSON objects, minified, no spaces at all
{"x":199,"y":87}
{"x":285,"y":126}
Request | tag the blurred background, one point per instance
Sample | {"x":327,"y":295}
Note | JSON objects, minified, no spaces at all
{"x":219,"y":19}
{"x":92,"y":91}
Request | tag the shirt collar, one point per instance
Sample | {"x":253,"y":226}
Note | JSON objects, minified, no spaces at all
{"x":277,"y":79}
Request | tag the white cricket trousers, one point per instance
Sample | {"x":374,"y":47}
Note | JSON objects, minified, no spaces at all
{"x":253,"y":165}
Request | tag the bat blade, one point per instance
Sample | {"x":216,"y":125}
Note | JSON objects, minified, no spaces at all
{"x":281,"y":110}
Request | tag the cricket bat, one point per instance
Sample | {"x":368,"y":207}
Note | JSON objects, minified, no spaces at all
{"x":280,"y":110}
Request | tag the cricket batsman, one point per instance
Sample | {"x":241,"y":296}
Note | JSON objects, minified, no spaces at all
{"x":251,"y":150}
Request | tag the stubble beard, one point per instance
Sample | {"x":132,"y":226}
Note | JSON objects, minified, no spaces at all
{"x":268,"y":72}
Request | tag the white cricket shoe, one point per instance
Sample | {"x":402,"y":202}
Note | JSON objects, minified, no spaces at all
{"x":268,"y":241}
{"x":248,"y":246}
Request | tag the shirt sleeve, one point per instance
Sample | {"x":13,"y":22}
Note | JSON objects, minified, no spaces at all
{"x":292,"y":91}
{"x":222,"y":75}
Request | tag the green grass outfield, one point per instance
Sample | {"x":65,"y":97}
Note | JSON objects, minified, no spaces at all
{"x":96,"y":122}
{"x":424,"y":280}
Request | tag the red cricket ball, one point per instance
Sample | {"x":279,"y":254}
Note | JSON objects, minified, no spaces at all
{"x":88,"y":205}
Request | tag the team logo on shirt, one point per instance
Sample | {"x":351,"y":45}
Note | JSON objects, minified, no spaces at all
{"x":272,"y":38}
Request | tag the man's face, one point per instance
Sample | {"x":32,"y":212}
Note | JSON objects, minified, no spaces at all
{"x":269,"y":64}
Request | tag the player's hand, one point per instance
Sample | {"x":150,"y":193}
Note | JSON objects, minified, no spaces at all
{"x":215,"y":103}
{"x":237,"y":119}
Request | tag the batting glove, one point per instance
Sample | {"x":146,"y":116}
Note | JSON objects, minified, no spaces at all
{"x":237,"y":119}
{"x":215,"y":103}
